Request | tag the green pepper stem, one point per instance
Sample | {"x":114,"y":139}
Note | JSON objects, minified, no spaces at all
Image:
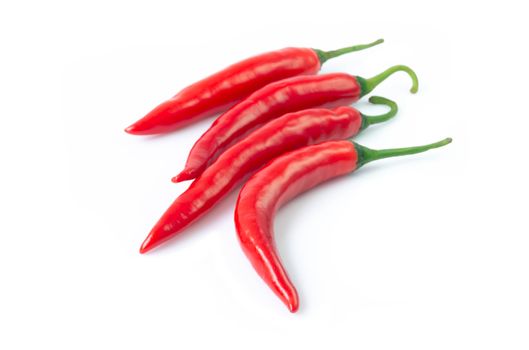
{"x":368,"y":120}
{"x":327,"y":55}
{"x":366,"y":155}
{"x":367,"y":85}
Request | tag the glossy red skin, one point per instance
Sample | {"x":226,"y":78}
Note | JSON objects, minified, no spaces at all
{"x":221,"y":90}
{"x":289,"y":132}
{"x":271,"y":187}
{"x":272,"y":101}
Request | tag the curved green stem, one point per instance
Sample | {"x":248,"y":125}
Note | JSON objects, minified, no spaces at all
{"x":368,"y":120}
{"x":327,"y":55}
{"x":366,"y":155}
{"x":367,"y":85}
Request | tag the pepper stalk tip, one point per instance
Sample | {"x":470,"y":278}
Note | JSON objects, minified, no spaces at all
{"x":327,"y":55}
{"x":367,"y":85}
{"x":366,"y":155}
{"x":379,"y":100}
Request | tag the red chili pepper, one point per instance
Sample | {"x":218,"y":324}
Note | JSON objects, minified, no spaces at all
{"x":286,"y":133}
{"x":274,"y":100}
{"x":221,"y":90}
{"x":281,"y":180}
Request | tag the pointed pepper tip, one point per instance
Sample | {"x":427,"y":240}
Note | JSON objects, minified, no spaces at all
{"x":146,"y":245}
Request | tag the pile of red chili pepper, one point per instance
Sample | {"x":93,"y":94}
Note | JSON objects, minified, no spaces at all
{"x":282,"y":130}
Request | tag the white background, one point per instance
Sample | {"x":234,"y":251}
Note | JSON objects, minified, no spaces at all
{"x":428,"y":252}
